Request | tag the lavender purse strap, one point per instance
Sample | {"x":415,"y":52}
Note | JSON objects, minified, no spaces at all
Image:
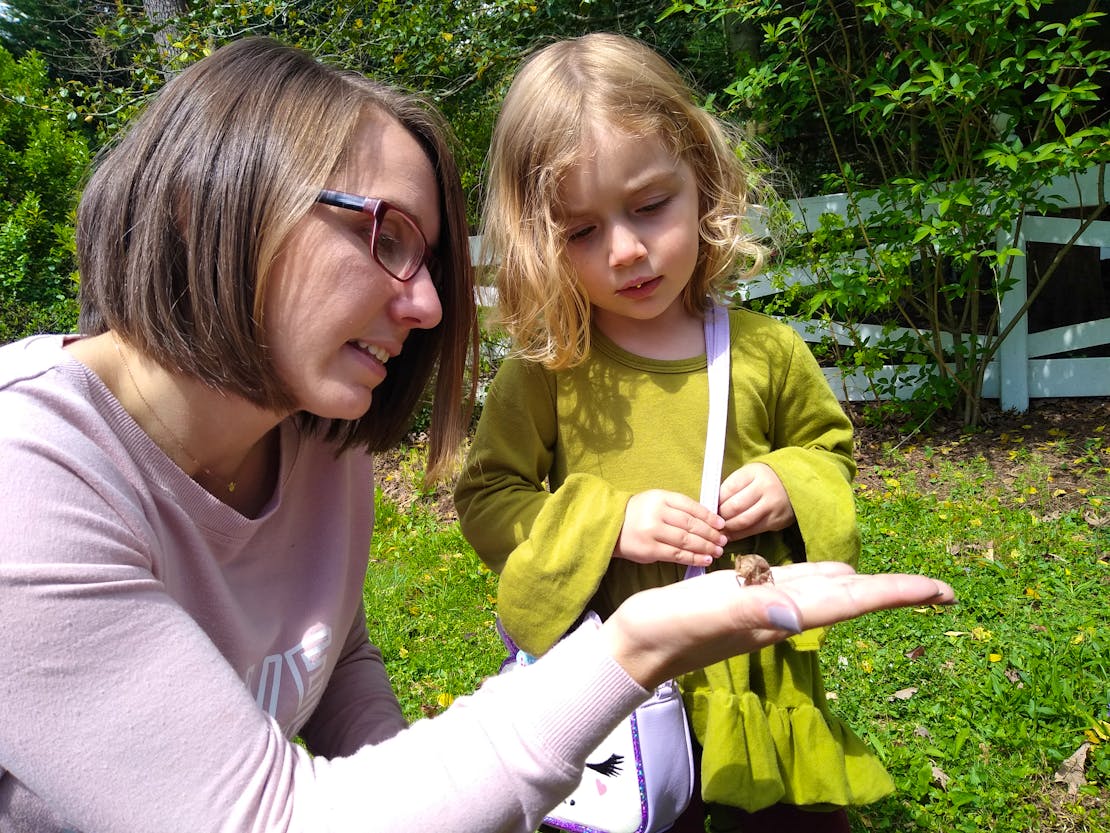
{"x":717,"y":360}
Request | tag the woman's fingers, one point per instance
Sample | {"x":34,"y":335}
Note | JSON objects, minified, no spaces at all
{"x":827,"y":599}
{"x":667,"y":631}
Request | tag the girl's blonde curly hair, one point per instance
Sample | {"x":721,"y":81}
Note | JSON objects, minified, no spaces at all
{"x":559,"y":94}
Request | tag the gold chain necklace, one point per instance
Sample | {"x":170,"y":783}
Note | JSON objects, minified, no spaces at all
{"x":169,"y":432}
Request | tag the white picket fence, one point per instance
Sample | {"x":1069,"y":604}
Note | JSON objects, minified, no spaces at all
{"x":1021,"y":370}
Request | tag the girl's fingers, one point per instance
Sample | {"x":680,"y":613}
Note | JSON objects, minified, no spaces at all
{"x":738,"y":503}
{"x":704,"y":541}
{"x":678,"y":507}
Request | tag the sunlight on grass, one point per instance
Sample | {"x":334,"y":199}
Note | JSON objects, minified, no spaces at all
{"x":973,"y":708}
{"x":1007,"y":684}
{"x":430,"y":608}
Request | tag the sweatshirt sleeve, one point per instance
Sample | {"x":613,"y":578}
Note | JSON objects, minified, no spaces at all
{"x":119,"y":714}
{"x":551,"y":549}
{"x":359,"y":706}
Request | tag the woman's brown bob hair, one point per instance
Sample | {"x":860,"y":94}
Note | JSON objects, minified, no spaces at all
{"x":182,"y":219}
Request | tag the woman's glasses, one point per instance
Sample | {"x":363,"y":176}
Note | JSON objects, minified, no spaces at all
{"x":396,"y":242}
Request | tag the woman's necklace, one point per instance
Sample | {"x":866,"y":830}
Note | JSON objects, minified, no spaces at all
{"x":230,"y":484}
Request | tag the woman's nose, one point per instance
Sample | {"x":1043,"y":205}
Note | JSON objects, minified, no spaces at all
{"x":417,"y":302}
{"x":625,"y":245}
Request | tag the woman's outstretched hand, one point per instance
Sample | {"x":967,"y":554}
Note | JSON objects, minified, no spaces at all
{"x":660,"y":633}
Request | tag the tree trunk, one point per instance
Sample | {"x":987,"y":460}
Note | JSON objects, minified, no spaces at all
{"x":161,"y":14}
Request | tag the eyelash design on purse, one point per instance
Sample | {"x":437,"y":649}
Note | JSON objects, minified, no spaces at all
{"x":610,"y":766}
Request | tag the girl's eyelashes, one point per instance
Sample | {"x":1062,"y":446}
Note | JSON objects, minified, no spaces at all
{"x":653,"y":205}
{"x":580,"y":233}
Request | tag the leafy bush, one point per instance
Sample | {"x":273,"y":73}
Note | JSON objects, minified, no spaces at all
{"x":944,"y":124}
{"x":43,"y":157}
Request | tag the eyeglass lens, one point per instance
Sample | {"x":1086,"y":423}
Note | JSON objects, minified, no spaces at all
{"x":398,"y":244}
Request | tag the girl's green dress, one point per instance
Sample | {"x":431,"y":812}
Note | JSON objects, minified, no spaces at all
{"x":555,"y":459}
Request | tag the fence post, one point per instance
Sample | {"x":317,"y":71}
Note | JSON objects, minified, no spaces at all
{"x":1013,"y":354}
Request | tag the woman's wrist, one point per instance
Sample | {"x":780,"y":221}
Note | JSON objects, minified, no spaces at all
{"x":641,"y":663}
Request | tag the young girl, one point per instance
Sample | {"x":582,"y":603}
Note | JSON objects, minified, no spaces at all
{"x":615,"y":210}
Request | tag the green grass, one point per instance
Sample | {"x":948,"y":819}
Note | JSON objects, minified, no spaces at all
{"x":1009,"y":683}
{"x":973,"y":708}
{"x":430,"y":608}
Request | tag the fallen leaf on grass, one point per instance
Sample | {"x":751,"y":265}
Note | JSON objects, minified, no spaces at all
{"x":940,"y":777}
{"x":917,"y":652}
{"x":903,"y":694}
{"x":1071,"y":770}
{"x":1099,"y":732}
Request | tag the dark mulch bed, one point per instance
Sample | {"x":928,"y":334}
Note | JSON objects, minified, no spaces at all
{"x":1070,"y":439}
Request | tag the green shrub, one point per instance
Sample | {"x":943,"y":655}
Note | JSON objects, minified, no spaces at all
{"x":944,"y":124}
{"x":43,"y":157}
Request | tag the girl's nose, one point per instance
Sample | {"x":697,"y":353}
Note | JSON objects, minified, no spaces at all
{"x":625,"y":246}
{"x":417,"y":302}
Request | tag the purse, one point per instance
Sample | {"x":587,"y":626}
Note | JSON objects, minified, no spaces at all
{"x":640,"y":778}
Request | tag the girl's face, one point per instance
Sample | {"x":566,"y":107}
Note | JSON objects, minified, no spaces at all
{"x":631,"y":213}
{"x":334,"y":316}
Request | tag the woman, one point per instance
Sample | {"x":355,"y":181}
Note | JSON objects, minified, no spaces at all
{"x":273,"y":266}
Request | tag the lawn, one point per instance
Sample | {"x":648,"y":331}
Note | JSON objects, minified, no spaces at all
{"x":993,"y":715}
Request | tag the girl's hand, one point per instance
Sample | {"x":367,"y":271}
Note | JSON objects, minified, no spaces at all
{"x":753,"y":500}
{"x":668,"y":526}
{"x":660,"y":633}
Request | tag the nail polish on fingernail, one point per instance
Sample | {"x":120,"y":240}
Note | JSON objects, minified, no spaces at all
{"x":784,"y":618}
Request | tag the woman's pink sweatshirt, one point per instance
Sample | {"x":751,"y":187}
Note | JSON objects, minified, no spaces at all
{"x":158,"y":650}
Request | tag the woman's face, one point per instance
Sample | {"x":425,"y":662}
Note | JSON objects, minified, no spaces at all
{"x":334,"y":317}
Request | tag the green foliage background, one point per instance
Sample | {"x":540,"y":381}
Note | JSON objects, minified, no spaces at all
{"x":948,"y":116}
{"x":947,"y":119}
{"x":42,"y":159}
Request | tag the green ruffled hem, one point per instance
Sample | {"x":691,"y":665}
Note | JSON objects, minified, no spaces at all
{"x":756,"y":754}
